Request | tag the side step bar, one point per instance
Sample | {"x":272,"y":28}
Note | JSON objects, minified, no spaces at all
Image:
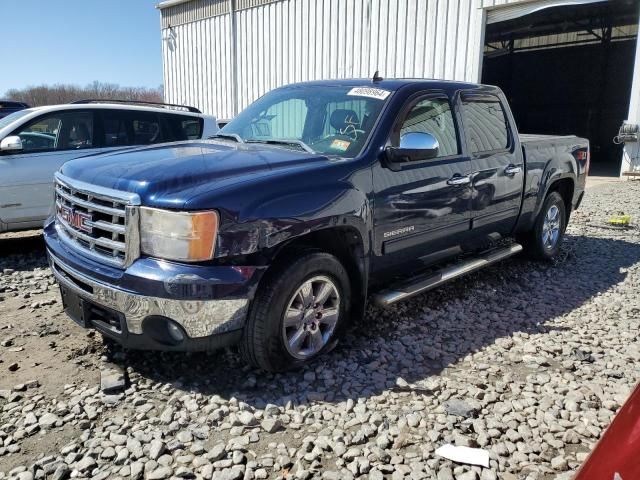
{"x":423,"y":284}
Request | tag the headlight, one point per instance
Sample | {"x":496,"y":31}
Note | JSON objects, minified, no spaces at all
{"x":186,"y":236}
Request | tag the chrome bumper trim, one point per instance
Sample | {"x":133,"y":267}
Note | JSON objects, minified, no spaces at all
{"x":199,"y":318}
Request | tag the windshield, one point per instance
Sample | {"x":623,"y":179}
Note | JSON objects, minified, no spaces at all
{"x":330,"y":120}
{"x":12,"y":117}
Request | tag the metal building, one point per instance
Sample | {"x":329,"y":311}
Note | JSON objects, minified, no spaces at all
{"x":567,"y":66}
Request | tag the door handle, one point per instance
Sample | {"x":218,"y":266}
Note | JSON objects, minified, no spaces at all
{"x":511,"y":170}
{"x":458,"y":180}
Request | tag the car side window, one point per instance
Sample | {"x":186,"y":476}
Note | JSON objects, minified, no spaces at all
{"x":116,"y":129}
{"x":183,"y":127}
{"x":124,"y":128}
{"x":192,"y":128}
{"x":432,"y":115}
{"x":58,"y":131}
{"x":146,"y":128}
{"x":485,"y":124}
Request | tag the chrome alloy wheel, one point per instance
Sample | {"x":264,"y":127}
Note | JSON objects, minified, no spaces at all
{"x":551,"y":228}
{"x":311,"y":317}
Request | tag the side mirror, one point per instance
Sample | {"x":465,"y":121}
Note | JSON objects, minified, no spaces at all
{"x":12,"y":143}
{"x":414,"y":146}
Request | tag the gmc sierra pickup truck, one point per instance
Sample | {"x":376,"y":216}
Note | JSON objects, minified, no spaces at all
{"x":317,"y":197}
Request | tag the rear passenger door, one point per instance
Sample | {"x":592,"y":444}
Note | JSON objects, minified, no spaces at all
{"x":496,"y":164}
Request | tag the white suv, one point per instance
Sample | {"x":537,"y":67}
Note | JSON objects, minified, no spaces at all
{"x":35,"y":142}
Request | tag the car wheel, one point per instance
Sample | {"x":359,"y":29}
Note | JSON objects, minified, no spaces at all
{"x":297,"y":313}
{"x":544,"y":241}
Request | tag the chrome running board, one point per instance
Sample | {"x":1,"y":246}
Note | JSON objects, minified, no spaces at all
{"x":422,"y":284}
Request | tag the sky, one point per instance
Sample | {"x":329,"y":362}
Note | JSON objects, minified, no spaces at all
{"x":79,"y":41}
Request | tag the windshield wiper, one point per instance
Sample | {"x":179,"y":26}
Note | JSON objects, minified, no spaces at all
{"x":283,"y":141}
{"x":230,"y":136}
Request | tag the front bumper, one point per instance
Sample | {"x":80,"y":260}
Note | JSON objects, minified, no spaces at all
{"x":209,"y":304}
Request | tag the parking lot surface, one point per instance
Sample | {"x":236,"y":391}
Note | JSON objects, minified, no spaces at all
{"x":529,"y":361}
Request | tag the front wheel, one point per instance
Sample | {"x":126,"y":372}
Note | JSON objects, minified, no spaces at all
{"x":297,"y":313}
{"x":543,"y":242}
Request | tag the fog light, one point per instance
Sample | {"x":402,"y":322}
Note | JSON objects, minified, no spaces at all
{"x":175,"y":332}
{"x":163,"y":330}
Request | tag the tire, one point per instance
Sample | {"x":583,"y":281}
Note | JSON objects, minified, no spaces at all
{"x":293,"y":289}
{"x":544,"y":240}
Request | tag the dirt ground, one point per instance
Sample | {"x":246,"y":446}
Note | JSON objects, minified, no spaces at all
{"x":45,"y":345}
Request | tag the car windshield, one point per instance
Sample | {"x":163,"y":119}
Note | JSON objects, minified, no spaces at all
{"x":12,"y":117}
{"x":331,"y":120}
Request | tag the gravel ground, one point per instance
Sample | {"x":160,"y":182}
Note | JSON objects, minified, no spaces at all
{"x":529,"y":361}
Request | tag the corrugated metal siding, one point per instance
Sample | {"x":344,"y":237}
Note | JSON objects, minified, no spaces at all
{"x":197,"y":66}
{"x":286,"y":41}
{"x":243,"y":4}
{"x":192,"y":11}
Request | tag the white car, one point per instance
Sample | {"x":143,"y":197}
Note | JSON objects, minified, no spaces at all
{"x":35,"y":142}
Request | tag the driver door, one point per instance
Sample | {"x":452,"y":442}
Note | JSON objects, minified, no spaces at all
{"x":421,"y":207}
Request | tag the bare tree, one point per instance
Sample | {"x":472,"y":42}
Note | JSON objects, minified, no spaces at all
{"x":61,"y":93}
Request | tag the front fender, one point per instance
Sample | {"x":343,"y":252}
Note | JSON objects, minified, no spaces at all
{"x":268,"y":222}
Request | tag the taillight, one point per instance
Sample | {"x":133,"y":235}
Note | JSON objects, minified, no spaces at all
{"x":584,"y":156}
{"x":588,"y":164}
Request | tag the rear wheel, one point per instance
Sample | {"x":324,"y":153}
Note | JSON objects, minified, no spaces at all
{"x":543,"y":242}
{"x":297,"y":313}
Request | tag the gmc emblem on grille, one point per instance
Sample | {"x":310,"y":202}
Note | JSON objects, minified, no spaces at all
{"x":79,"y":220}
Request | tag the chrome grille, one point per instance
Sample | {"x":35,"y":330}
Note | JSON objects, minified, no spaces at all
{"x":101,"y":223}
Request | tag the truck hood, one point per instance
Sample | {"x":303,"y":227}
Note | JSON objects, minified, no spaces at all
{"x":166,"y":176}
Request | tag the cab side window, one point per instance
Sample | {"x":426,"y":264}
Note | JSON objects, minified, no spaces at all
{"x":58,"y":131}
{"x":485,"y":124}
{"x":432,"y":116}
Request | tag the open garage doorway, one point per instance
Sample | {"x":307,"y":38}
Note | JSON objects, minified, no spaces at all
{"x":568,"y":70}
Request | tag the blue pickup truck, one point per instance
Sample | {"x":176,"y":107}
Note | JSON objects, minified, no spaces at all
{"x":318,"y":197}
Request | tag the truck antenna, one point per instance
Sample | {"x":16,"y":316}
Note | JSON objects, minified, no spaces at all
{"x":377,"y":77}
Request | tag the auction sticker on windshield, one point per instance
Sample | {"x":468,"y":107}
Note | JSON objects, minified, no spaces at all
{"x":369,"y":92}
{"x":341,"y":145}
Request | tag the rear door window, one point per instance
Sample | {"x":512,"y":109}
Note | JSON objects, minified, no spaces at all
{"x":124,"y":127}
{"x":183,"y":127}
{"x":485,"y":124}
{"x":116,"y":128}
{"x":146,"y":128}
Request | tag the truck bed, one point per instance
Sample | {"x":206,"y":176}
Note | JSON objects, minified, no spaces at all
{"x":541,"y":147}
{"x":528,"y":138}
